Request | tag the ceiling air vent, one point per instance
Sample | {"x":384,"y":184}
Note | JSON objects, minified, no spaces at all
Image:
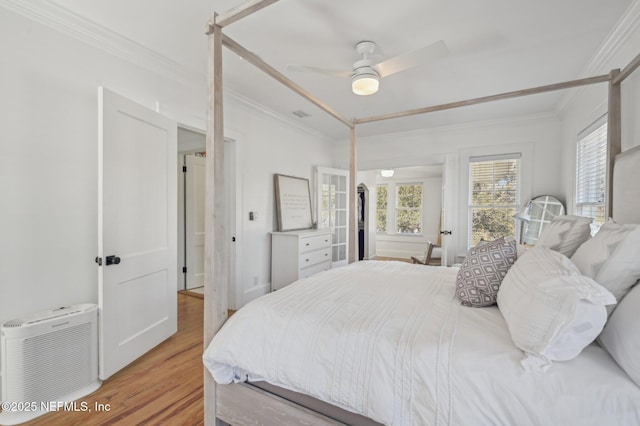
{"x":300,"y":113}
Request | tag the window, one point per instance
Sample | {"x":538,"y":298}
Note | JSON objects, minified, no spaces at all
{"x":591,"y":172}
{"x":382,"y":194}
{"x":409,"y":208}
{"x":494,"y":196}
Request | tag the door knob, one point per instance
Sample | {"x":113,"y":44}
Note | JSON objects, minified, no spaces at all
{"x":113,"y":260}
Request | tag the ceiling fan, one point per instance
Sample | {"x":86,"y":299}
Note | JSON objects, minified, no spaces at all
{"x":365,"y":75}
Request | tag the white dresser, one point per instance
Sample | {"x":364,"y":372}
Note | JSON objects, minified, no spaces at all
{"x":298,"y":254}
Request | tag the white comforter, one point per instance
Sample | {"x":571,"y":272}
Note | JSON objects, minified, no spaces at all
{"x":390,"y":341}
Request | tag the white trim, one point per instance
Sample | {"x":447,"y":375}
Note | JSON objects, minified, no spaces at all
{"x":403,"y":254}
{"x":464,"y":126}
{"x":616,"y":38}
{"x":255,"y":292}
{"x":67,"y":22}
{"x":241,"y":99}
{"x":497,"y":157}
{"x":526,"y":149}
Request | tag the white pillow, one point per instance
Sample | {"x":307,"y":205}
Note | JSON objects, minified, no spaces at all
{"x":611,"y":257}
{"x":565,"y":234}
{"x":621,"y":336}
{"x":551,"y":310}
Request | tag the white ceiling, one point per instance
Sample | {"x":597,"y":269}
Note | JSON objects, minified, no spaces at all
{"x":495,"y":46}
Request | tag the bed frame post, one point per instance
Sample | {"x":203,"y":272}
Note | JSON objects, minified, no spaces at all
{"x":353,"y":191}
{"x":614,"y":133}
{"x":216,"y":255}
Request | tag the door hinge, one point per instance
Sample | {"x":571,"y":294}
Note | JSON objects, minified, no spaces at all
{"x":233,"y":239}
{"x":184,"y":169}
{"x":184,"y":269}
{"x":99,"y":261}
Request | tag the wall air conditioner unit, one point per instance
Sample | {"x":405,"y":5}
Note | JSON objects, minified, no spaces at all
{"x":48,"y":358}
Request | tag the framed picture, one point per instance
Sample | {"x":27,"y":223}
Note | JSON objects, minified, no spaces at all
{"x":293,"y":203}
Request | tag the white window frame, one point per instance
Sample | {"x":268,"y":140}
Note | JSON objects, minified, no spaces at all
{"x":392,"y":205}
{"x":518,"y":197}
{"x":383,"y":231}
{"x":591,"y":167}
{"x":397,"y":208}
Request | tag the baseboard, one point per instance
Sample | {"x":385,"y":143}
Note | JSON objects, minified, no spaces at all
{"x":255,"y":292}
{"x":399,"y":253}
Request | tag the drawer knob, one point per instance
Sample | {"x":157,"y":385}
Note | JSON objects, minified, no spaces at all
{"x":307,"y":244}
{"x":307,"y":260}
{"x":326,"y":254}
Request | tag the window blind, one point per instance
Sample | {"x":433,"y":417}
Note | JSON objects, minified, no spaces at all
{"x":591,"y":172}
{"x":494,"y":196}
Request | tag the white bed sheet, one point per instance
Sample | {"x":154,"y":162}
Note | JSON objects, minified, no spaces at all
{"x":390,"y":341}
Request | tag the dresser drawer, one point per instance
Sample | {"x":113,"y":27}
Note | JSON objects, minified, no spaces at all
{"x":307,"y":272}
{"x":313,"y":257}
{"x":314,"y":242}
{"x":311,"y":247}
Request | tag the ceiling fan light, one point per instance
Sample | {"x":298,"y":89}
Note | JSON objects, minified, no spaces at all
{"x":365,"y":84}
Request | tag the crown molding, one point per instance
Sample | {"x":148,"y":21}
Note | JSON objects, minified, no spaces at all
{"x":248,"y":102}
{"x":616,"y":38}
{"x":63,"y":20}
{"x":73,"y":25}
{"x":465,"y":126}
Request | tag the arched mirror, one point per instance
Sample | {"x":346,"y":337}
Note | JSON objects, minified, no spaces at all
{"x":538,"y":212}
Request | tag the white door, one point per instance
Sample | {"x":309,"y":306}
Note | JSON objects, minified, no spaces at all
{"x":333,"y":210}
{"x":137,"y":230}
{"x":195,"y":181}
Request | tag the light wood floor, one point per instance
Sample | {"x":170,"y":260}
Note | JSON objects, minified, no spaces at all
{"x":163,"y":387}
{"x":400,"y":259}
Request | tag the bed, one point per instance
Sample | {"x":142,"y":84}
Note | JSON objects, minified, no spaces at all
{"x":316,"y":353}
{"x":390,"y":343}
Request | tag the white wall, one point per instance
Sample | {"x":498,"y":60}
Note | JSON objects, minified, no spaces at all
{"x":48,"y":160}
{"x":584,"y":106}
{"x":266,"y":146}
{"x":538,"y":137}
{"x":390,"y":244}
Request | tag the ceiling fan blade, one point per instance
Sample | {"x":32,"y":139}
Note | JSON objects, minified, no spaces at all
{"x":411,"y":59}
{"x":317,"y":70}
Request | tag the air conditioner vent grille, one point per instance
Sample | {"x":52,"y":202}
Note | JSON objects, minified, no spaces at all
{"x":13,"y":323}
{"x":64,"y":369}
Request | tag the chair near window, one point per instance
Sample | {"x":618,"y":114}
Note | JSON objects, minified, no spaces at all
{"x":432,"y":256}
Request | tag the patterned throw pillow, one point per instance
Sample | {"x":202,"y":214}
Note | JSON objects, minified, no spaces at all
{"x":482,"y":271}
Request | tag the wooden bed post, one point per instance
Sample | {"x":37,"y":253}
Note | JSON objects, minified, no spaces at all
{"x":485,"y":99}
{"x":614,"y":133}
{"x":215,"y":248}
{"x":353,"y":205}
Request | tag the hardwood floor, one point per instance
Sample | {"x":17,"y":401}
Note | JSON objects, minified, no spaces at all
{"x":163,"y":387}
{"x":392,"y":258}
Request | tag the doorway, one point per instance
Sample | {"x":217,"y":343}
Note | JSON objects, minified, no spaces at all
{"x":363,"y":222}
{"x":191,"y":210}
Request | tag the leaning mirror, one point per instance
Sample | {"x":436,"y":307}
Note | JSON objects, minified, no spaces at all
{"x":538,"y":212}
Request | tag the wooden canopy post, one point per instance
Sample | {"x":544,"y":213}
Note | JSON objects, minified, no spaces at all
{"x":241,"y":11}
{"x":253,"y":59}
{"x":614,"y":133}
{"x":627,"y":71}
{"x":353,"y":191}
{"x":215,"y":243}
{"x":485,"y":99}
